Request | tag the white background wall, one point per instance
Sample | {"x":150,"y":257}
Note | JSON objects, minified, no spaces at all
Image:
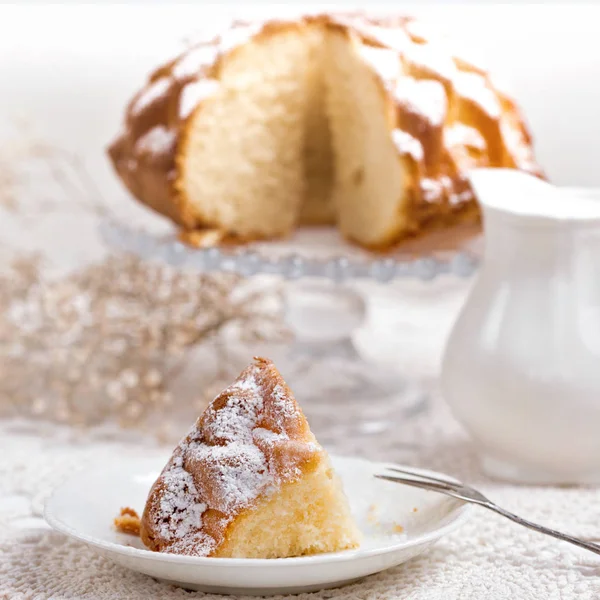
{"x":69,"y":69}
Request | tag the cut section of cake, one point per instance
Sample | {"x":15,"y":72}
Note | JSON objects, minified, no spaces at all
{"x":250,"y":480}
{"x":362,"y":123}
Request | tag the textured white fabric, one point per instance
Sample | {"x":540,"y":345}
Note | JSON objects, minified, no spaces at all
{"x":489,"y":557}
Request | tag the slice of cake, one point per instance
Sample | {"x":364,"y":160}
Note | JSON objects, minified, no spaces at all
{"x":249,"y":481}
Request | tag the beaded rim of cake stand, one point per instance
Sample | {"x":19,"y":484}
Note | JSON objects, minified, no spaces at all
{"x":248,"y":260}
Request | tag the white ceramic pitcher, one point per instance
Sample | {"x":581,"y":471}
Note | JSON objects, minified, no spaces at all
{"x":521,"y":368}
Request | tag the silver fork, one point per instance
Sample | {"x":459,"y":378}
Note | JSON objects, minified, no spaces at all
{"x":464,"y":492}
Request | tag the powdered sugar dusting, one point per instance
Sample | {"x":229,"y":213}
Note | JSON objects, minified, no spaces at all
{"x":285,"y":410}
{"x":248,"y":383}
{"x":385,"y":62}
{"x":195,"y":62}
{"x":180,"y":500}
{"x":460,"y":197}
{"x":193,"y":93}
{"x":501,"y":85}
{"x":235,"y":421}
{"x":473,"y":87}
{"x":424,"y":31}
{"x":393,"y":38}
{"x":432,"y":59}
{"x":268,"y":437}
{"x":179,"y":510}
{"x":518,"y":148}
{"x":196,"y":543}
{"x":238,"y":35}
{"x":407,"y":144}
{"x":154,"y":91}
{"x":469,"y":57}
{"x":158,"y":140}
{"x":425,"y":97}
{"x":433,"y":190}
{"x":236,"y":474}
{"x":462,"y":135}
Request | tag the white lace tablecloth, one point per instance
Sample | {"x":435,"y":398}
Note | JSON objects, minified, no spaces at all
{"x":488,"y":558}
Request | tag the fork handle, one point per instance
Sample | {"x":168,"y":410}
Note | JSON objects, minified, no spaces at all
{"x":552,"y":532}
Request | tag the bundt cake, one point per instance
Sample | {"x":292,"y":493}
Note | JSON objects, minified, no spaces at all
{"x":368,"y":124}
{"x":249,"y":481}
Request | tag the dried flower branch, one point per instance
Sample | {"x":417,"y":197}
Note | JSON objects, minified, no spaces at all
{"x":109,"y":341}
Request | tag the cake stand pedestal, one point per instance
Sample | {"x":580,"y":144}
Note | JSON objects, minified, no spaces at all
{"x":324,"y":309}
{"x":324,"y":360}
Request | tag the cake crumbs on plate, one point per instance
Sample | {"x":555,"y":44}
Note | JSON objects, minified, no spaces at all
{"x":397,"y":528}
{"x":372,"y":516}
{"x":128,"y":521}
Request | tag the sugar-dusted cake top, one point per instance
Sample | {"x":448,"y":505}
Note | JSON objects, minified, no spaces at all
{"x":447,"y":115}
{"x":250,"y":440}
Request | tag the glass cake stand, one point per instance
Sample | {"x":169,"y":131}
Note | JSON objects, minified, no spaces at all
{"x":324,"y":303}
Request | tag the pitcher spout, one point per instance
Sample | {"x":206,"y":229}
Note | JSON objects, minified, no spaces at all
{"x":521,"y":195}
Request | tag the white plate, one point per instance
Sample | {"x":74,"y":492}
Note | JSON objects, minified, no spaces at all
{"x":84,"y":508}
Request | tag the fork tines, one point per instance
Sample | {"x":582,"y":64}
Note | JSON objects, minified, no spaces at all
{"x":416,"y":479}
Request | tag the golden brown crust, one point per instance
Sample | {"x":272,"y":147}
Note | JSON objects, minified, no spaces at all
{"x":128,"y":521}
{"x":148,"y":168}
{"x":251,"y":438}
{"x":479,"y":126}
